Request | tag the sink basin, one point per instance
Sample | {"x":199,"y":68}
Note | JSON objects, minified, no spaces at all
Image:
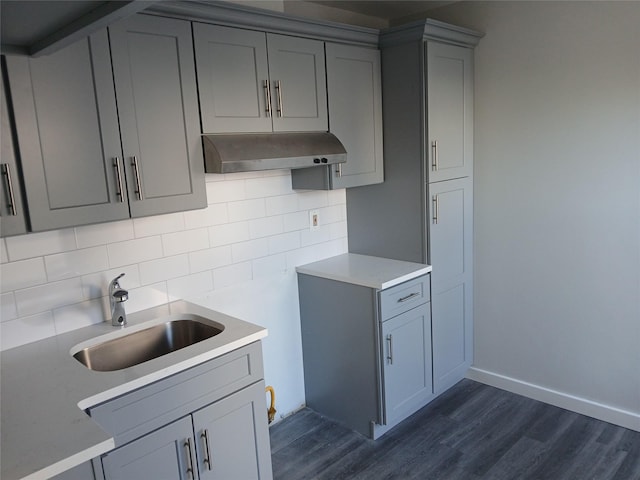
{"x":144,"y":345}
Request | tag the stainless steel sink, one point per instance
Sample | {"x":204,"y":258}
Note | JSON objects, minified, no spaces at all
{"x":145,"y":345}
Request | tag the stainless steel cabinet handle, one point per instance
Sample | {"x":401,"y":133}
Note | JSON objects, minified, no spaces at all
{"x":116,"y":165}
{"x":136,"y":173}
{"x":187,"y":445}
{"x":6,"y":172}
{"x":408,"y":297}
{"x":279,"y":90}
{"x":267,"y":97}
{"x":434,"y":156}
{"x":390,"y":354}
{"x":434,"y":201}
{"x":339,"y":170}
{"x":207,"y":451}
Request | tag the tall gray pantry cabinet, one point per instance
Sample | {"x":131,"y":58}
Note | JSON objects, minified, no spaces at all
{"x":87,"y":159}
{"x":423,"y":212}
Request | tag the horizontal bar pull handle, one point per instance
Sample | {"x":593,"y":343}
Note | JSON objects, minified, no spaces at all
{"x":207,"y":450}
{"x":119,"y":194}
{"x":279,"y":90}
{"x":6,"y":173}
{"x":409,"y":297}
{"x":434,"y":156}
{"x":267,"y":97}
{"x":187,"y":446}
{"x":136,"y":173}
{"x":390,"y":352}
{"x":434,"y":201}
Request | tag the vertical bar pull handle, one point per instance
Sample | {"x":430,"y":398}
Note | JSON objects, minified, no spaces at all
{"x":116,"y":165}
{"x":434,"y":156}
{"x":187,"y":446}
{"x":339,"y":170}
{"x":6,"y":173}
{"x":390,"y":354}
{"x":279,"y":90}
{"x":435,"y":207}
{"x":136,"y":173}
{"x":267,"y":97}
{"x":207,"y":451}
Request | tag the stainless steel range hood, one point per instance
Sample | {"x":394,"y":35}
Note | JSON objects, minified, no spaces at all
{"x":271,"y":151}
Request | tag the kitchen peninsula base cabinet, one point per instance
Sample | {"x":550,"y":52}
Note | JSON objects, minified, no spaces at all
{"x":366,"y":346}
{"x":208,"y":422}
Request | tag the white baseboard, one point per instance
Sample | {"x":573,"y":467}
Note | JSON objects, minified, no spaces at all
{"x":607,"y":413}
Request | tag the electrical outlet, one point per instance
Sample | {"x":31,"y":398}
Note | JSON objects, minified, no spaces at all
{"x":314,"y":220}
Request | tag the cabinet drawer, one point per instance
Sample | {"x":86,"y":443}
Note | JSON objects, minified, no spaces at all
{"x":136,"y":413}
{"x":404,"y":297}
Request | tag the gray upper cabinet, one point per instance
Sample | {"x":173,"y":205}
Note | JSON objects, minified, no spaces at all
{"x":259,"y":82}
{"x":449,"y":111}
{"x":68,"y":138}
{"x":12,"y":213}
{"x":355,"y":112}
{"x":155,"y":84}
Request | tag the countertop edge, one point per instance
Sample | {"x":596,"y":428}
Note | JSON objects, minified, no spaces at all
{"x":73,"y":461}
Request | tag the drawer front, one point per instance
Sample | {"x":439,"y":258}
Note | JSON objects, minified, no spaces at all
{"x":136,"y":413}
{"x":404,"y":297}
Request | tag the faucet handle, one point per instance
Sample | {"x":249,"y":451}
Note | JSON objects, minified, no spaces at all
{"x":114,"y":283}
{"x":121,"y":295}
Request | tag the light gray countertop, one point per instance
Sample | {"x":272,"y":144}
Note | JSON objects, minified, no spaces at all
{"x":364,"y":270}
{"x":45,"y":390}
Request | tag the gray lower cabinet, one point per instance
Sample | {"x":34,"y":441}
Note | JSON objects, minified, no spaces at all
{"x":355,"y":117}
{"x":252,"y":81}
{"x":208,"y":422}
{"x":13,"y":219}
{"x":367,"y":352}
{"x":86,"y":159}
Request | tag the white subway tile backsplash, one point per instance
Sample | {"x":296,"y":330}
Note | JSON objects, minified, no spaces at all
{"x":147,"y":297}
{"x":231,"y":275}
{"x":103,"y":233}
{"x":246,"y":210}
{"x":265,"y":227}
{"x":297,"y":221}
{"x":26,"y":330}
{"x":229,"y":191}
{"x":312,"y":199}
{"x":336,"y":197}
{"x":134,"y":251}
{"x":268,"y":266}
{"x":185,"y":241}
{"x":96,"y":285}
{"x":76,"y":263}
{"x":163,"y":269}
{"x":313,"y":237}
{"x":210,"y":258}
{"x":331,"y":214}
{"x":147,"y":226}
{"x":49,"y":296}
{"x":212,"y":215}
{"x":284,"y":242}
{"x":190,"y":285}
{"x":228,"y":233}
{"x":22,"y":274}
{"x":79,"y":315}
{"x":282,"y":204}
{"x":8,"y":304}
{"x":243,"y":251}
{"x":338,"y":230}
{"x":38,"y":244}
{"x":268,"y":186}
{"x":4,"y":256}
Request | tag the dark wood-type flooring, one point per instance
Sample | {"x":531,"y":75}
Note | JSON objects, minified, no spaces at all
{"x":471,"y":432}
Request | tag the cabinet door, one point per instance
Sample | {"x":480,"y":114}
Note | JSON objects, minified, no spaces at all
{"x":450,"y":111}
{"x":154,"y":75}
{"x":233,"y":438}
{"x":165,"y":453}
{"x":450,"y":237}
{"x":232,"y":79}
{"x":298,"y":84}
{"x":67,"y":130}
{"x":407,"y":361}
{"x":355,"y":112}
{"x":12,"y":214}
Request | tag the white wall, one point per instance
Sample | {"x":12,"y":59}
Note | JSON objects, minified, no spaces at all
{"x":238,"y":255}
{"x":557,"y":201}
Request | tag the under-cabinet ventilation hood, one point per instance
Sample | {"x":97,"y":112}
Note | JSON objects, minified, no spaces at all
{"x":271,"y":151}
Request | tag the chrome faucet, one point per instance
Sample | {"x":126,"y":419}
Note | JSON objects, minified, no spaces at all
{"x":117,"y":297}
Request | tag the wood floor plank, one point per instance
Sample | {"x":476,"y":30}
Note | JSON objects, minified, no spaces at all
{"x":471,"y":432}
